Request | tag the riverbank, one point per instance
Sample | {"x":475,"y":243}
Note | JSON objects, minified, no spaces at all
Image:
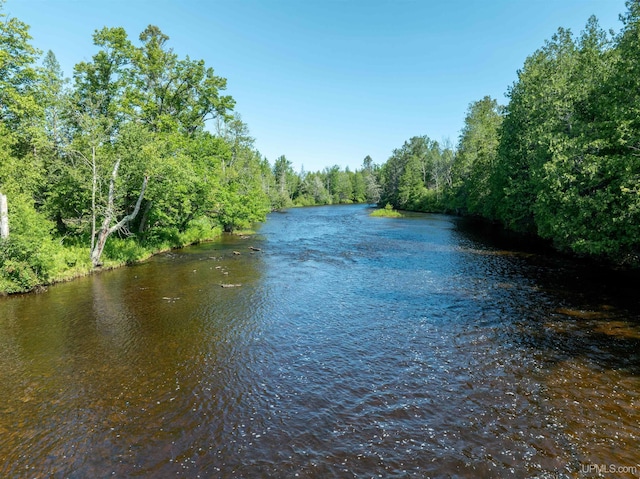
{"x":627,"y":261}
{"x":72,"y":261}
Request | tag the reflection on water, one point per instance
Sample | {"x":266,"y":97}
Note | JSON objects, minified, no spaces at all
{"x":349,"y":346}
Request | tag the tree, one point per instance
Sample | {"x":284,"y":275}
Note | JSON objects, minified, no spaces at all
{"x":409,"y":173}
{"x":344,"y":187}
{"x":19,"y":78}
{"x":390,"y":174}
{"x":52,"y":99}
{"x":237,"y":134}
{"x":313,"y":190}
{"x":170,"y":93}
{"x":243,"y":202}
{"x":475,"y":159}
{"x":121,"y":152}
{"x":108,"y":228}
{"x":101,"y":84}
{"x":27,"y":253}
{"x":540,"y":106}
{"x":359,"y":187}
{"x":442,"y":168}
{"x":594,"y":170}
{"x":286,"y":181}
{"x":147,"y":98}
{"x":411,"y":189}
{"x":372,"y":186}
{"x":4,"y":217}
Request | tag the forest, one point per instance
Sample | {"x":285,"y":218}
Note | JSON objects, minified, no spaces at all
{"x":141,"y":151}
{"x":561,"y":160}
{"x":138,"y":153}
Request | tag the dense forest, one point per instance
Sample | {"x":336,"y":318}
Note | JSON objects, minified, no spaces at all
{"x":138,"y":153}
{"x":141,"y":152}
{"x":561,"y":160}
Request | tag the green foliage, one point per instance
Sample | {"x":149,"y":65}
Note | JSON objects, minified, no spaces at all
{"x":19,"y":79}
{"x":475,"y":159}
{"x":29,"y":256}
{"x":199,"y":230}
{"x":313,"y":191}
{"x":565,"y":156}
{"x":329,"y":186}
{"x":560,"y":160}
{"x":241,"y":204}
{"x":141,"y":107}
{"x":286,"y":182}
{"x":416,"y":175}
{"x":386,"y":212}
{"x":124,"y":251}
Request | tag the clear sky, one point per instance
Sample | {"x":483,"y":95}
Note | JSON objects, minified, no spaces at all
{"x":328,"y":82}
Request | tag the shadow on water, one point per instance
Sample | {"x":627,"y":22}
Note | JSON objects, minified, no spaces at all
{"x":582,"y":308}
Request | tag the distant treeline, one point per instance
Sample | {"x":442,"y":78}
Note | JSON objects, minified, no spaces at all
{"x":561,"y":160}
{"x":138,"y":153}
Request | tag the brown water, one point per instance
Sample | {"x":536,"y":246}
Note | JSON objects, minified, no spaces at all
{"x":348,"y":346}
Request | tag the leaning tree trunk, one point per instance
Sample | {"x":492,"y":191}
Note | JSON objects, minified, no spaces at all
{"x":145,"y":217}
{"x":106,"y":230}
{"x":4,"y":217}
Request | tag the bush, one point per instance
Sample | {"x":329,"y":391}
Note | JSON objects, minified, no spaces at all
{"x":124,"y":250}
{"x":386,"y":212}
{"x":29,"y":256}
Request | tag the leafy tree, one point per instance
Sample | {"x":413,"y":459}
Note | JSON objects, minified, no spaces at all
{"x":342,"y":187}
{"x":539,"y":107}
{"x":150,"y":86}
{"x":169,"y":93}
{"x":359,"y":187}
{"x":443,"y":159}
{"x":101,"y":84}
{"x":568,"y":177}
{"x":588,"y":200}
{"x":370,"y":174}
{"x":243,"y":202}
{"x":476,"y":157}
{"x":412,"y":172}
{"x":19,"y":79}
{"x":411,"y":188}
{"x":313,"y":190}
{"x":121,"y":152}
{"x":285,"y":180}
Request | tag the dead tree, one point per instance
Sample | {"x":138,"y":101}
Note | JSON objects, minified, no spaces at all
{"x":107,"y":229}
{"x":4,"y":217}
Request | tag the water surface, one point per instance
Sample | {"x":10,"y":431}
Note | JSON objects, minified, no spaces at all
{"x":348,"y":346}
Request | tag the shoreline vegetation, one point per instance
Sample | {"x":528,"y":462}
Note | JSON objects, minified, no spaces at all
{"x":386,"y":212}
{"x":139,"y":153}
{"x":123,"y":161}
{"x":128,"y":254}
{"x":559,"y":161}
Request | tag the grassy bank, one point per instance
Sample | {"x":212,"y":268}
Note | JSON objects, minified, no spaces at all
{"x":55,"y":262}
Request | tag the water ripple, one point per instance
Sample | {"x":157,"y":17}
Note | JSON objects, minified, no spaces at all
{"x":349,"y":347}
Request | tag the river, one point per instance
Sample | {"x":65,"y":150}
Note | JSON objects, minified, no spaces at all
{"x":347,"y":346}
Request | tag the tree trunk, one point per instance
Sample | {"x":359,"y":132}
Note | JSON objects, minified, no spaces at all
{"x":94,"y":181}
{"x":145,"y":217}
{"x":106,"y":230}
{"x":4,"y":217}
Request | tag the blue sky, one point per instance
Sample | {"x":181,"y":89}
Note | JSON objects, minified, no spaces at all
{"x":329,"y":82}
